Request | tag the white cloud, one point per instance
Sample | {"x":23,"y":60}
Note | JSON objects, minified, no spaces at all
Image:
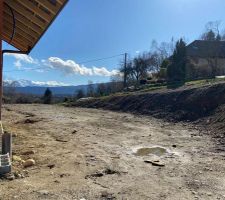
{"x":70,"y":67}
{"x":22,"y":58}
{"x":18,"y":64}
{"x":49,"y":83}
{"x":104,"y":72}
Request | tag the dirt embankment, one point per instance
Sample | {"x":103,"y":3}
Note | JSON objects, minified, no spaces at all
{"x":205,"y":105}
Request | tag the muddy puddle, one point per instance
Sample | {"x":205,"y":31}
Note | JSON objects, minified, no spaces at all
{"x":145,"y":151}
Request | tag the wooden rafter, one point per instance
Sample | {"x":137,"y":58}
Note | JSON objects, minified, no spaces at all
{"x":32,"y":18}
{"x":23,"y":20}
{"x":36,"y":10}
{"x":23,"y":11}
{"x":26,"y":29}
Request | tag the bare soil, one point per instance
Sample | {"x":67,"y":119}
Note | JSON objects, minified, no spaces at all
{"x":93,"y":154}
{"x":202,"y":105}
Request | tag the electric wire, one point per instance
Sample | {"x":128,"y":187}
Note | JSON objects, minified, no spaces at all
{"x":80,"y":63}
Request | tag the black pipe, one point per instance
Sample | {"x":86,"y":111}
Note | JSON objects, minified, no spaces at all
{"x":14,"y":22}
{"x":15,"y":51}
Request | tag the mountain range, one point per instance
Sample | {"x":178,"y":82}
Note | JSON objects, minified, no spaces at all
{"x":38,"y":88}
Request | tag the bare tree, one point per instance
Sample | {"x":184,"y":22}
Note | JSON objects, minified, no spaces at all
{"x":212,"y":31}
{"x":90,"y":89}
{"x":214,"y":26}
{"x":116,"y":83}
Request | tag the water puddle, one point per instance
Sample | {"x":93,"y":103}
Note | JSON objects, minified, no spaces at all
{"x":158,"y":151}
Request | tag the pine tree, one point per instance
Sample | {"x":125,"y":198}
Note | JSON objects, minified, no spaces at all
{"x":47,"y":98}
{"x":176,"y":70}
{"x":80,"y":94}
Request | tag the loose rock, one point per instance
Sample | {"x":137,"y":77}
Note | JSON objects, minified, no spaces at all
{"x":17,"y":158}
{"x":154,"y":163}
{"x":28,"y":152}
{"x":29,"y":163}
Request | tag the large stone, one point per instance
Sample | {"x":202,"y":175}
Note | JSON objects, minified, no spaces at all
{"x":29,"y":163}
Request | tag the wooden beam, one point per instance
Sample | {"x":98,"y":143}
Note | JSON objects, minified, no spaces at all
{"x":24,"y":21}
{"x":35,"y":9}
{"x":25,"y":13}
{"x":32,"y":18}
{"x":16,"y":43}
{"x":53,"y":9}
{"x":25,"y":28}
{"x":61,"y":1}
{"x":19,"y":31}
{"x":17,"y":36}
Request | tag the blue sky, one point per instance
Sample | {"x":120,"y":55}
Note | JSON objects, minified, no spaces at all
{"x":90,"y":29}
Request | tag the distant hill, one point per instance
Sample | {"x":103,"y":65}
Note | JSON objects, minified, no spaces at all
{"x":58,"y":91}
{"x":38,"y":88}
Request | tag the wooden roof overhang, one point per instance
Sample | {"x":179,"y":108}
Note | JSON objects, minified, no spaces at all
{"x":25,"y":21}
{"x":22,"y":23}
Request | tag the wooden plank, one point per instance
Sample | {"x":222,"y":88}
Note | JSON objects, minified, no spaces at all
{"x":17,"y":36}
{"x":61,"y":1}
{"x":21,"y":10}
{"x":19,"y":31}
{"x":32,"y":17}
{"x":21,"y":26}
{"x":6,"y":37}
{"x":35,"y":9}
{"x":25,"y":22}
{"x":16,"y":41}
{"x":53,"y":9}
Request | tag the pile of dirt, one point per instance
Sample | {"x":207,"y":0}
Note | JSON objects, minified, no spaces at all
{"x":204,"y":104}
{"x":178,"y":105}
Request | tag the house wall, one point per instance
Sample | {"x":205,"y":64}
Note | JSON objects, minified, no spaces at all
{"x":204,"y":67}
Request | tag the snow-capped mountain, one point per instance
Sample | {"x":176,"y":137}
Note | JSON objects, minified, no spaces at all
{"x":28,"y":83}
{"x":38,"y":87}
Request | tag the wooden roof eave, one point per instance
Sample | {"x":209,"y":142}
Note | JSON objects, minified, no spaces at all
{"x":31,"y":19}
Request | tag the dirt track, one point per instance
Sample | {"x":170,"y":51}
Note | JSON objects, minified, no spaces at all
{"x":92,"y":156}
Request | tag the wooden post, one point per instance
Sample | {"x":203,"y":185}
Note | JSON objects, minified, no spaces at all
{"x":1,"y":57}
{"x":1,"y":67}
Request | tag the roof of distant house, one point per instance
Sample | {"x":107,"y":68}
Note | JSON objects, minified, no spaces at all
{"x":204,"y":49}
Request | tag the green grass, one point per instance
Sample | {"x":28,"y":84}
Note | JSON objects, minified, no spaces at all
{"x":156,"y":87}
{"x":204,"y":81}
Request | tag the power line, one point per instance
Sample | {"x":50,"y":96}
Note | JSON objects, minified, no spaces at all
{"x":99,"y":59}
{"x":22,"y":70}
{"x":80,"y":63}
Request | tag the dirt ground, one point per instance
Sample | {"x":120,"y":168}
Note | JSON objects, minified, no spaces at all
{"x":90,"y":154}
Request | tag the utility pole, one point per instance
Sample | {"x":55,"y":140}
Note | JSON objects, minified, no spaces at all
{"x":125,"y":71}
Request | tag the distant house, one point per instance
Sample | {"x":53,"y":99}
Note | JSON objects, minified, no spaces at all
{"x":205,"y":59}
